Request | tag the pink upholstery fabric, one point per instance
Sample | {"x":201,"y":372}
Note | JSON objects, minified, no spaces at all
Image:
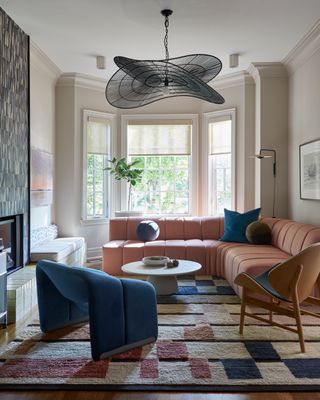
{"x":112,"y":256}
{"x":197,"y":239}
{"x":291,"y":236}
{"x":211,"y":227}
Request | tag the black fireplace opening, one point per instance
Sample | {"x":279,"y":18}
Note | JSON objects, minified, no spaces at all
{"x":11,"y":241}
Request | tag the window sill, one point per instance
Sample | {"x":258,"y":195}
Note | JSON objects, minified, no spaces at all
{"x":95,"y":221}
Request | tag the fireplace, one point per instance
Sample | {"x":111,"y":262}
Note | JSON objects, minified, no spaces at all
{"x":11,"y":241}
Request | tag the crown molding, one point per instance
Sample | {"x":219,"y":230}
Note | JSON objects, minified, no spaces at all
{"x":83,"y":81}
{"x":234,"y":79}
{"x":40,"y":61}
{"x":304,"y":49}
{"x":267,"y":70}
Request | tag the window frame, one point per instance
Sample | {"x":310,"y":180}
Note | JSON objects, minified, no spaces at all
{"x":206,"y":119}
{"x":111,"y":118}
{"x":193,"y":188}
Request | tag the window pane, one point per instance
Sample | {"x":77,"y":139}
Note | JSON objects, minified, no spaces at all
{"x":164,"y":187}
{"x":167,"y":202}
{"x":152,"y":162}
{"x":98,"y":148}
{"x":182,"y":162}
{"x":182,"y":179}
{"x":90,"y":201}
{"x":99,"y":203}
{"x":167,"y":162}
{"x":220,"y":161}
{"x":167,"y":179}
{"x":220,"y":137}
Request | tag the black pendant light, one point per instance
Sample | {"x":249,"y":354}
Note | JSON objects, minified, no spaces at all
{"x":141,"y":82}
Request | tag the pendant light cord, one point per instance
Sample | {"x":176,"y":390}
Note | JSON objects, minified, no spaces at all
{"x":165,"y":41}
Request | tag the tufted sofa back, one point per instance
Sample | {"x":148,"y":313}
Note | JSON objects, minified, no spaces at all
{"x":291,"y":236}
{"x":170,"y":228}
{"x":287,"y":235}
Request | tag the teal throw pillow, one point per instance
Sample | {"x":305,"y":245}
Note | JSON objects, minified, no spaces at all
{"x":235,"y":225}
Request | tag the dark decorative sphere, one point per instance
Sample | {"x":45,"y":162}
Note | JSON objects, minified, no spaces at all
{"x":258,"y":233}
{"x":148,"y":231}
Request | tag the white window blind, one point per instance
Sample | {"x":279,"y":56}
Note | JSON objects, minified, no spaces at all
{"x":98,"y":133}
{"x":220,"y":136}
{"x":163,"y":138}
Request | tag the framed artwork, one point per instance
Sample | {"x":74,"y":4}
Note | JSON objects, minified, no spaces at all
{"x":41,"y":178}
{"x":309,"y":156}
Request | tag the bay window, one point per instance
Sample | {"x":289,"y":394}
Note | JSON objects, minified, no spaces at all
{"x":165,"y":149}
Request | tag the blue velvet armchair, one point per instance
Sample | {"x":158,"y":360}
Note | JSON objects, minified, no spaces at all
{"x":122,"y":313}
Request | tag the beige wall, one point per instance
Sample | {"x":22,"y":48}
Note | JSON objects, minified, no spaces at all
{"x":74,"y":93}
{"x":43,"y":76}
{"x":271,"y":132}
{"x":240,"y":96}
{"x":304,"y":123}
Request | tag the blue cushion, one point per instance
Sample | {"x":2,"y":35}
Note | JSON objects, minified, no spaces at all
{"x":235,"y":225}
{"x":147,"y":231}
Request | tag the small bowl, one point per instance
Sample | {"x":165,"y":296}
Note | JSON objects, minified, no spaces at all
{"x":155,"y":260}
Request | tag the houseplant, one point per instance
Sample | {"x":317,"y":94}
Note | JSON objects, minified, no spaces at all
{"x":127,"y":171}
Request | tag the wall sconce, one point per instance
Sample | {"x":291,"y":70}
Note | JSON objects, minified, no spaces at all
{"x":261,"y":156}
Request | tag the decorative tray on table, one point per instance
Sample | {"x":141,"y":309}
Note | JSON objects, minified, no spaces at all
{"x":154,"y":261}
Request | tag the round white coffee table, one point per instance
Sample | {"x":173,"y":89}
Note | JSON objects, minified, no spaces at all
{"x":163,"y":279}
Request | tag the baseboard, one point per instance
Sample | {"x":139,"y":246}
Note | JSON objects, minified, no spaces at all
{"x":94,"y":252}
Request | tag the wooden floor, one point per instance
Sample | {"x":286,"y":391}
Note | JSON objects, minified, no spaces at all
{"x":6,"y":335}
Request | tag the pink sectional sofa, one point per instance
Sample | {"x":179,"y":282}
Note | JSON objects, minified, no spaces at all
{"x":197,"y":239}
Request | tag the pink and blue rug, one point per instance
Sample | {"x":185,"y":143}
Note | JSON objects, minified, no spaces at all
{"x":199,"y":349}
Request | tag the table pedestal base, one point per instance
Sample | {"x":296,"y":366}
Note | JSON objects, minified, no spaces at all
{"x":164,"y":284}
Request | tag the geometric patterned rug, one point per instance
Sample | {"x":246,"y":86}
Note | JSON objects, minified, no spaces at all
{"x":199,"y":349}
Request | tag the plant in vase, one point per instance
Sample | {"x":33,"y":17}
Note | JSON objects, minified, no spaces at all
{"x":122,"y":170}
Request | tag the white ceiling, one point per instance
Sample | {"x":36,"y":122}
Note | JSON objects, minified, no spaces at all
{"x":73,"y":32}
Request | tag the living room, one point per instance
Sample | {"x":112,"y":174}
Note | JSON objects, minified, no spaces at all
{"x":265,"y":128}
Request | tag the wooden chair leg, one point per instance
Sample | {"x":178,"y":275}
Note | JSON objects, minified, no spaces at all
{"x":270,"y":312}
{"x":243,"y":309}
{"x":296,"y":308}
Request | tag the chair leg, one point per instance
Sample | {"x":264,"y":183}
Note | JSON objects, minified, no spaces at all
{"x":297,"y":314}
{"x":243,"y":309}
{"x":270,"y":312}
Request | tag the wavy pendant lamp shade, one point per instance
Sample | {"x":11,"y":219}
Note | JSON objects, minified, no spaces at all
{"x":141,"y":82}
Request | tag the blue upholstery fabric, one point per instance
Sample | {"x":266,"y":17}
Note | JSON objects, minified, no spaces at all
{"x":120,"y":312}
{"x":235,"y":225}
{"x":147,"y":231}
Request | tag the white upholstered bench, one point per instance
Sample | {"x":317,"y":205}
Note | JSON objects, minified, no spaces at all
{"x":45,"y":244}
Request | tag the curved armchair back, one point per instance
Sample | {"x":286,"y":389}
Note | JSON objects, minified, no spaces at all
{"x":122,"y":313}
{"x":303,"y":268}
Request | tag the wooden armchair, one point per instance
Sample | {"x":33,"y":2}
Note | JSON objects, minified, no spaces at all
{"x":286,"y":286}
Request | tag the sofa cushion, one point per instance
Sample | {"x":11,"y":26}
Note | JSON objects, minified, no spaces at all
{"x":112,"y":253}
{"x":290,"y":236}
{"x":57,"y":249}
{"x":211,"y":228}
{"x":75,"y":242}
{"x":251,"y":259}
{"x":235,"y":225}
{"x":51,"y":251}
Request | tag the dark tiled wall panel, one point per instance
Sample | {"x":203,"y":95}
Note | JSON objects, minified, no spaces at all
{"x":14,"y":121}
